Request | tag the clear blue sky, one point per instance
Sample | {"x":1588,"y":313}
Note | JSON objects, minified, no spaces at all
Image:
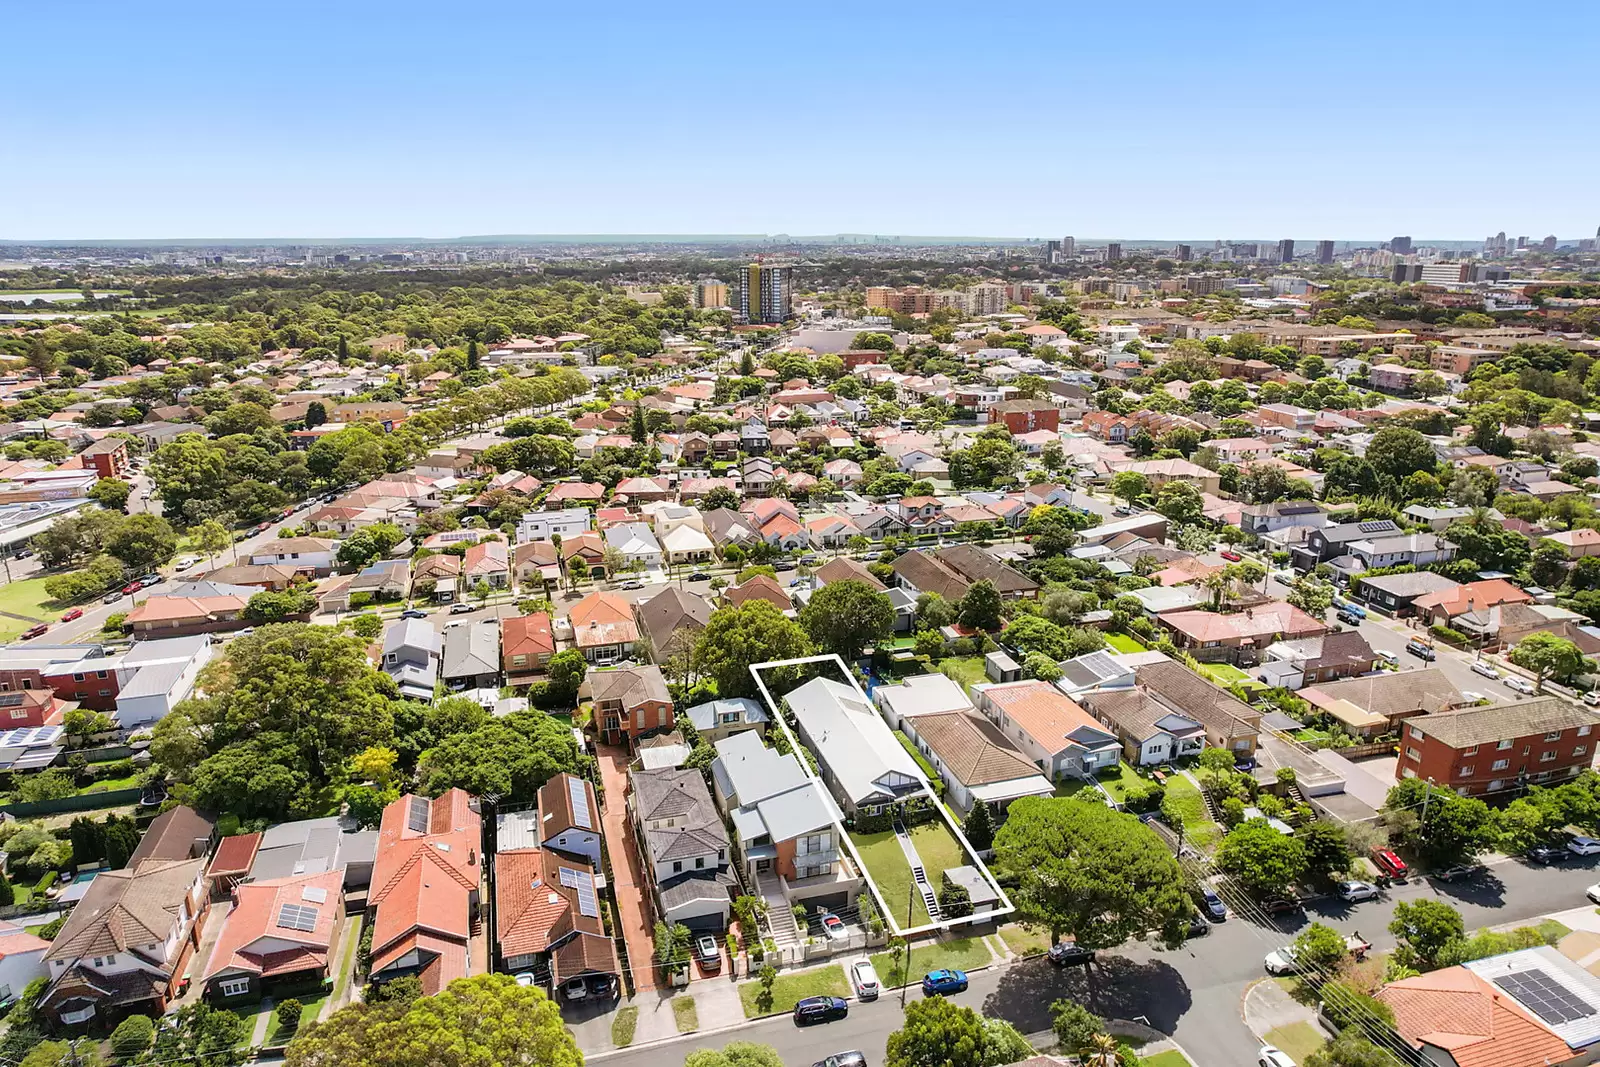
{"x":1137,"y":120}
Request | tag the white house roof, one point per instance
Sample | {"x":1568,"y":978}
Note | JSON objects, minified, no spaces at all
{"x":924,"y":694}
{"x":850,"y":737}
{"x":632,"y":539}
{"x":685,"y":539}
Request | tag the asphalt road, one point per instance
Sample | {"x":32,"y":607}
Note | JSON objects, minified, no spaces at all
{"x":1193,"y":993}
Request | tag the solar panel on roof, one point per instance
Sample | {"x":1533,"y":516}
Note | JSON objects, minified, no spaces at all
{"x":1375,"y":526}
{"x":1545,"y":997}
{"x":314,"y":893}
{"x":580,"y":803}
{"x":417,"y":815}
{"x":297,"y":917}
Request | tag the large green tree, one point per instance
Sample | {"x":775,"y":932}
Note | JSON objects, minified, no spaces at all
{"x":1086,"y":870}
{"x":1395,"y":452}
{"x":1438,"y":823}
{"x":980,"y":605}
{"x":1425,"y":928}
{"x":846,"y":617}
{"x":1262,"y":859}
{"x":510,"y":757}
{"x":736,"y":637}
{"x":1547,"y":655}
{"x":483,"y":1021}
{"x":735,"y":1054}
{"x":276,"y":716}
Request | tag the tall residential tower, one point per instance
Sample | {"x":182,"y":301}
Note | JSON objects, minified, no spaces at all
{"x":763,"y":294}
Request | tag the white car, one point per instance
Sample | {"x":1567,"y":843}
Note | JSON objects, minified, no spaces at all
{"x":1593,"y":893}
{"x":1273,"y":1057}
{"x":1282,"y":961}
{"x":865,"y":978}
{"x":1521,"y":685}
{"x":1352,"y":892}
{"x":1583,"y":846}
{"x":526,"y":978}
{"x":1592,"y":698}
{"x":1480,"y":667}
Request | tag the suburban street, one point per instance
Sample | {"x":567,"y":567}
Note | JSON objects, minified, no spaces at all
{"x":1192,"y":993}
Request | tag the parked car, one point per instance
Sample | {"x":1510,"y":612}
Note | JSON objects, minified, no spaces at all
{"x":1198,"y":927}
{"x":132,"y":587}
{"x":1282,"y":961}
{"x":1244,"y":763}
{"x":461,"y":609}
{"x":1386,"y":657}
{"x":864,"y":977}
{"x":413,"y":613}
{"x":709,"y":953}
{"x":1280,"y":906}
{"x":1348,"y":618}
{"x":699,"y":576}
{"x":1480,"y":667}
{"x":843,"y":1059}
{"x":833,"y":926}
{"x":1459,"y":872}
{"x":1230,"y":555}
{"x":943,"y":982}
{"x":1593,"y":893}
{"x":261,"y":527}
{"x":1422,"y":651}
{"x":820,"y":1010}
{"x":1518,"y":684}
{"x":1122,"y":509}
{"x":784,"y":565}
{"x":1582,"y":846}
{"x":1271,"y":1057}
{"x":1354,"y":609}
{"x":75,"y":613}
{"x":631,"y":583}
{"x":24,"y":553}
{"x":113,"y":596}
{"x":1547,"y":854}
{"x":1064,"y":953}
{"x":1212,"y":905}
{"x":1592,"y":698}
{"x":35,"y":631}
{"x":1390,"y":863}
{"x":1353,"y":892}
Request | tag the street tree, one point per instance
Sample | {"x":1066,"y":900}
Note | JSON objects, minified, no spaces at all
{"x":1129,"y":486}
{"x":735,"y":1054}
{"x":143,"y":542}
{"x":937,"y":1032}
{"x":736,"y":637}
{"x":1425,"y":928}
{"x":1311,"y":595}
{"x":1547,"y":655}
{"x":1263,"y":860}
{"x":1441,"y":825}
{"x":1319,"y":948}
{"x":1085,"y":869}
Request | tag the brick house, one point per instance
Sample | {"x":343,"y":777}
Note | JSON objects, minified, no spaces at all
{"x":1504,"y":746}
{"x":628,"y":702}
{"x":1024,"y":416}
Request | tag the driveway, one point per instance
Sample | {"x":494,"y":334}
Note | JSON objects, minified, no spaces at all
{"x":631,"y":887}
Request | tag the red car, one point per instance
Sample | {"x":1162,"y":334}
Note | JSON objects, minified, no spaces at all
{"x":133,"y":587}
{"x":1389,"y":863}
{"x":1230,"y":555}
{"x":34,"y":631}
{"x":75,"y":613}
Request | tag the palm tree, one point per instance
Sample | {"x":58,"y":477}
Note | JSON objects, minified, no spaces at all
{"x":1100,"y":1052}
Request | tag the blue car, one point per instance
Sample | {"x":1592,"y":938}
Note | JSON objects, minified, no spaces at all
{"x":944,"y":982}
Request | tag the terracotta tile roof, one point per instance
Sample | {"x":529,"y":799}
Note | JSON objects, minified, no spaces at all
{"x":632,"y":686}
{"x":422,"y":877}
{"x":254,"y":939}
{"x":1476,"y":1024}
{"x":1041,"y":710}
{"x":1484,"y":594}
{"x":535,"y":910}
{"x":759,"y":587}
{"x":972,"y":748}
{"x":575,"y":491}
{"x":555,"y":806}
{"x":603,"y":619}
{"x":1261,"y":624}
{"x":842,"y":569}
{"x":526,"y":635}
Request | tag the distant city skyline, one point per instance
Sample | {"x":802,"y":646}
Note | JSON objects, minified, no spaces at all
{"x":189,"y":121}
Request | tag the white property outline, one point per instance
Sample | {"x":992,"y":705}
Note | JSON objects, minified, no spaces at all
{"x":838,"y":824}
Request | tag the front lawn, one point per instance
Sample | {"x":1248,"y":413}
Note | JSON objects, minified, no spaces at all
{"x":623,"y":1025}
{"x":1299,"y":1040}
{"x":938,"y":848}
{"x":1173,"y":1058}
{"x":1197,"y":826}
{"x":684,"y":1013}
{"x":967,"y":670}
{"x":310,"y":1007}
{"x":887,"y":867}
{"x":1126,"y":778}
{"x":1125,"y":643}
{"x":1025,"y":940}
{"x":962,"y":953}
{"x":790,"y":989}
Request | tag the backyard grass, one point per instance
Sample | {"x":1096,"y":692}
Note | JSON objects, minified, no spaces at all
{"x":1173,"y":1058}
{"x":1126,"y":778}
{"x":967,"y":670}
{"x":1224,"y":674}
{"x":26,"y":598}
{"x":622,"y":1026}
{"x":1124,"y":643}
{"x":1025,"y":939}
{"x":888,"y":868}
{"x":963,"y":953}
{"x":1186,"y":798}
{"x":1067,"y":787}
{"x":684,"y":1014}
{"x":790,"y":989}
{"x":1299,"y":1040}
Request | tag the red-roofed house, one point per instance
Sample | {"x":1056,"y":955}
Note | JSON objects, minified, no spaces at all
{"x":526,"y":646}
{"x":603,"y":628}
{"x":563,"y":493}
{"x":1454,"y":1016}
{"x":425,"y":886}
{"x":21,"y":959}
{"x":280,"y":932}
{"x":548,"y":916}
{"x":232,"y":863}
{"x":487,"y":561}
{"x":1240,"y":635}
{"x":1465,"y":599}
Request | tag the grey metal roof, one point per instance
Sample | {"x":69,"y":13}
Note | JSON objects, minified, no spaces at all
{"x":851,"y":738}
{"x":411,"y":633}
{"x":471,"y":649}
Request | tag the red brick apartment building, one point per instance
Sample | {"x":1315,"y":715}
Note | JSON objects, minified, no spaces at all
{"x":1486,"y":750}
{"x":1025,"y":416}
